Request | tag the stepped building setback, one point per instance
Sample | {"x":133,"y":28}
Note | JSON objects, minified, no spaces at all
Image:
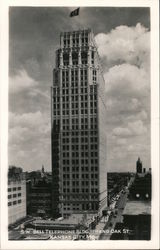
{"x":78,"y":118}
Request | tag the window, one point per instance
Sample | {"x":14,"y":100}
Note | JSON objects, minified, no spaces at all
{"x":84,"y":56}
{"x":75,"y":58}
{"x":9,"y":204}
{"x":86,"y":40}
{"x":9,"y":196}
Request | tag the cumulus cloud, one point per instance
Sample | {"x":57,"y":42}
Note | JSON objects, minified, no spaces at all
{"x":21,"y":82}
{"x":17,"y":134}
{"x":28,"y":126}
{"x":125,"y":44}
{"x":129,"y":105}
{"x":27,"y":119}
{"x":119,"y":131}
{"x":121,"y":141}
{"x":127,"y":80}
{"x":137,"y":127}
{"x":125,"y":53}
{"x":29,"y":136}
{"x":142,"y":115}
{"x":137,"y":147}
{"x":132,"y":129}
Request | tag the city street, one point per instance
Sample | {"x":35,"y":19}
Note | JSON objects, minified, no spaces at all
{"x":115,"y":219}
{"x":109,"y":226}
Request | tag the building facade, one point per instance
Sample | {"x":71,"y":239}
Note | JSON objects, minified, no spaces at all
{"x":78,"y":127}
{"x":141,"y":188}
{"x":39,"y":197}
{"x":16,"y":195}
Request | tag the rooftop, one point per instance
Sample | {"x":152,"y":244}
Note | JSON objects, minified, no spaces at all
{"x":137,"y":207}
{"x":76,"y":31}
{"x":74,"y":219}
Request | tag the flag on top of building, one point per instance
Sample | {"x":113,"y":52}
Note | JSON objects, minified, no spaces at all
{"x":75,"y":12}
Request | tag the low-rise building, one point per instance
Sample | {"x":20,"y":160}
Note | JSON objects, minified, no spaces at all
{"x":39,"y":199}
{"x":16,"y":195}
{"x":39,"y":193}
{"x":137,"y":219}
{"x":141,"y":187}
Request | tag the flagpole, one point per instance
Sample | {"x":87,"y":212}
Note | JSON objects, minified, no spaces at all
{"x":75,"y":14}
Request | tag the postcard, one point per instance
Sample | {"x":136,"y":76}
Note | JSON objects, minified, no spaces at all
{"x":80,"y":125}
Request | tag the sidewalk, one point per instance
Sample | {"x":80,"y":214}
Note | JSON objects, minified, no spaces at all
{"x":100,"y":225}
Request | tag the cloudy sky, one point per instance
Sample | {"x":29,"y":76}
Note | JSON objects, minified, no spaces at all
{"x":123,"y":39}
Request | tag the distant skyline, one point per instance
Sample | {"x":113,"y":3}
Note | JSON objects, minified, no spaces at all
{"x":123,"y":39}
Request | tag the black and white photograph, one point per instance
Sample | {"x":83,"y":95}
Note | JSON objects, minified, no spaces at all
{"x":79,"y":164}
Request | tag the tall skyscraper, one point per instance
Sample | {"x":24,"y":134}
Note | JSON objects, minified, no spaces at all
{"x":78,"y":127}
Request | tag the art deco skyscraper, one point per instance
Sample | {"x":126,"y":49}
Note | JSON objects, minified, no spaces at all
{"x":78,"y":127}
